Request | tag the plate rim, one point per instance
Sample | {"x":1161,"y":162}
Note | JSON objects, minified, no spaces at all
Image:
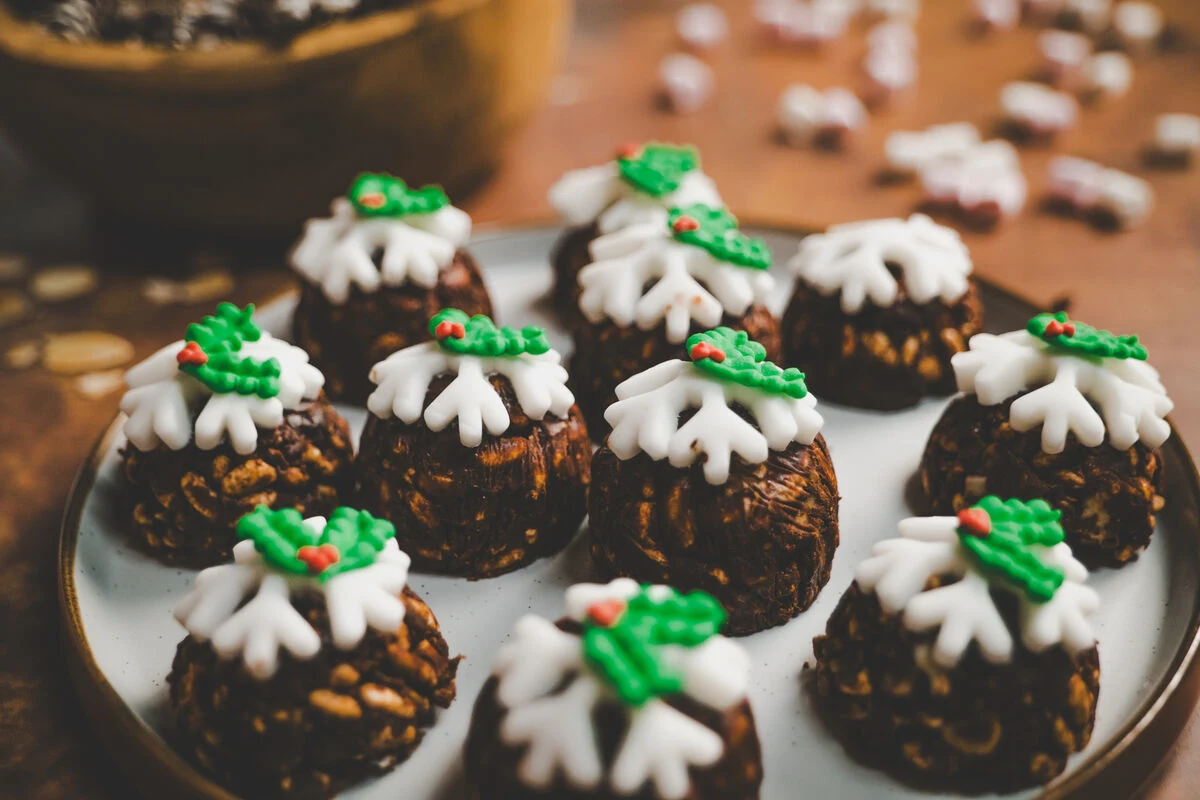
{"x":1116,"y":771}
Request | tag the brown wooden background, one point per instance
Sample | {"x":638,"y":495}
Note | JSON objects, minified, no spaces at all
{"x":1146,"y":281}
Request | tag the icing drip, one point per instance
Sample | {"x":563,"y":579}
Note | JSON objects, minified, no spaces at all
{"x":853,"y":259}
{"x":598,"y":194}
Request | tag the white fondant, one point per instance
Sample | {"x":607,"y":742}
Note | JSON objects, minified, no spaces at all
{"x":1177,"y":134}
{"x":337,"y":252}
{"x":964,"y":611}
{"x":1037,"y":107}
{"x":911,"y":151}
{"x":659,"y":747}
{"x":689,"y":284}
{"x":1138,"y":24}
{"x":853,"y":259}
{"x":1108,"y":74}
{"x":598,"y":194}
{"x":986,"y":176}
{"x":701,"y":26}
{"x":687,"y":82}
{"x":404,"y":377}
{"x":1067,"y":390}
{"x":645,"y":419}
{"x":1064,"y":53}
{"x":268,"y":622}
{"x":1086,"y":185}
{"x":804,"y":113}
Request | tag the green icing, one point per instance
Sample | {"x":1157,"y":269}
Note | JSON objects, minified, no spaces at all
{"x":1006,"y":551}
{"x":626,"y":653}
{"x":715,"y":230}
{"x":733,"y":356}
{"x":352,"y":539}
{"x":1081,"y":339}
{"x":378,"y":195}
{"x":212,"y":355}
{"x":479,"y":336}
{"x":657,"y":169}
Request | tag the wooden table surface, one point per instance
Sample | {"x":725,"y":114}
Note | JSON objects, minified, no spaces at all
{"x":1145,"y":281}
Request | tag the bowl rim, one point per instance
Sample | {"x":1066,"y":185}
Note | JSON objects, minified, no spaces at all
{"x":28,"y":42}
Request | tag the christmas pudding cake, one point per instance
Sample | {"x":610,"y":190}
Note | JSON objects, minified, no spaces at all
{"x":961,"y":658}
{"x":228,"y":419}
{"x":639,"y":187}
{"x":634,"y":694}
{"x":716,"y":477}
{"x":309,"y":664}
{"x":879,"y":309}
{"x":652,"y":285}
{"x":1061,"y":411}
{"x":474,"y":448}
{"x":374,"y":272}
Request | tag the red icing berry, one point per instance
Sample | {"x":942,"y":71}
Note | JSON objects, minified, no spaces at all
{"x":447,"y":330}
{"x":606,"y":613}
{"x":975,"y":521}
{"x":685,"y":224}
{"x":318,"y":559}
{"x":372,"y":200}
{"x":191,"y":354}
{"x":628,"y":150}
{"x":1056,"y":328}
{"x":702,"y":350}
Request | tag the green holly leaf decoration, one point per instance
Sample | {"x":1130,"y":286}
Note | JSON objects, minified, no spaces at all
{"x":656,"y":169}
{"x":479,"y":336}
{"x":352,"y":539}
{"x":733,"y":356}
{"x":380,"y":195}
{"x":715,"y":230}
{"x":211,"y":354}
{"x":1080,"y":339}
{"x":623,"y":642}
{"x":1000,"y":536}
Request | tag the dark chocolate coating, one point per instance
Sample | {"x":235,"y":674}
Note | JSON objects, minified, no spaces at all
{"x":482,"y":511}
{"x":762,"y":543}
{"x":881,"y":358}
{"x":318,"y":726}
{"x":1108,"y":496}
{"x":346,"y":340}
{"x":978,"y":727}
{"x":607,"y":354}
{"x":184,"y":504}
{"x":569,"y":256}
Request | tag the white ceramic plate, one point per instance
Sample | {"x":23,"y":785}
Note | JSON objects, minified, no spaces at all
{"x":118,"y":603}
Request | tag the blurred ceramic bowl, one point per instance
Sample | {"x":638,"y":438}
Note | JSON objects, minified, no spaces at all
{"x":246,"y":137}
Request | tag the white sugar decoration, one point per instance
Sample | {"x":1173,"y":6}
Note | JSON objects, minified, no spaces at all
{"x":1000,"y":15}
{"x":1086,"y":396}
{"x":910,"y":152}
{"x":404,"y":377}
{"x":902,"y":9}
{"x":1177,"y":135}
{"x":337,"y":252}
{"x":1108,"y":74}
{"x":804,"y":22}
{"x":1064,"y":54}
{"x":1087,"y":186}
{"x":1094,"y":16}
{"x":686,"y":82}
{"x":256,"y":631}
{"x":983,"y":180}
{"x":660,"y":745}
{"x":964,"y":611}
{"x":689,"y":283}
{"x":701,"y":26}
{"x":1138,"y":24}
{"x":645,"y":419}
{"x":888,"y":72}
{"x":807,"y":115}
{"x":1038,"y":109}
{"x":853,"y":259}
{"x":598,"y":194}
{"x":161,"y":397}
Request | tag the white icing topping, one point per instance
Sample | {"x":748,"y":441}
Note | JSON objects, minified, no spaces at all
{"x":689,"y":284}
{"x":1132,"y":403}
{"x":852,"y":259}
{"x":660,"y":745}
{"x":645,"y":419}
{"x":337,"y":252}
{"x":256,"y":631}
{"x":598,"y":194}
{"x":983,"y":177}
{"x":160,"y":396}
{"x":964,"y":611}
{"x":912,"y":151}
{"x":404,"y":377}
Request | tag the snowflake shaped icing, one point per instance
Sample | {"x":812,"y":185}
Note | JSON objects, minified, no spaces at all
{"x":403,"y":379}
{"x":601,"y":195}
{"x":338,"y":252}
{"x":1079,"y":394}
{"x":162,"y":395}
{"x":964,"y":611}
{"x":689,"y":283}
{"x":853,"y":259}
{"x":660,"y":744}
{"x":645,"y":418}
{"x":355,"y":599}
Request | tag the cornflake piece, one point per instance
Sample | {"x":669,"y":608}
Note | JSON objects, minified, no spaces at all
{"x":1064,"y":55}
{"x":701,"y":26}
{"x":1088,"y":187}
{"x":808,"y":116}
{"x":909,"y":152}
{"x":1037,"y":109}
{"x":1107,"y":74}
{"x":997,"y":15}
{"x":1177,"y":135}
{"x":1093,"y":16}
{"x":686,"y":81}
{"x":984,"y":183}
{"x":1138,"y":24}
